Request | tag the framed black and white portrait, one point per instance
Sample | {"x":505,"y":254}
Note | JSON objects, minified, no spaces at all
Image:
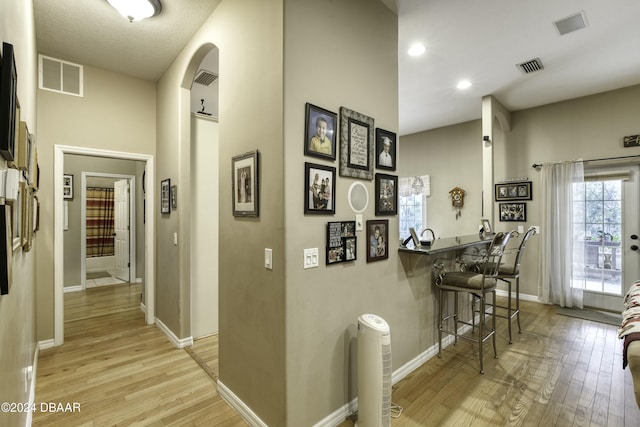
{"x":385,"y":149}
{"x":245,"y":191}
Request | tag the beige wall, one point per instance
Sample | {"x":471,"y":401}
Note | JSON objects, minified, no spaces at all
{"x":17,"y":309}
{"x":249,"y":37}
{"x":337,"y":54}
{"x":588,"y":128}
{"x":116,"y":113}
{"x":75,"y":165}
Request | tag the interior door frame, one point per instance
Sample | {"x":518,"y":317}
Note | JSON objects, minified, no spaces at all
{"x":58,"y":234}
{"x":132,"y":223}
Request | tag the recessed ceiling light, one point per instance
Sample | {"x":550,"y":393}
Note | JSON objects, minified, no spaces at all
{"x":464,"y":84}
{"x":416,"y":50}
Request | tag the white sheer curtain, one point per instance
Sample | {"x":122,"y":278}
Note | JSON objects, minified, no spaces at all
{"x":556,"y":237}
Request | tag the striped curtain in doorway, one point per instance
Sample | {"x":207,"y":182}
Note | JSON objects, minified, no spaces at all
{"x":100,"y":222}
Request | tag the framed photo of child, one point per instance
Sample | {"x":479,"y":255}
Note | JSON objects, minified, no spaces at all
{"x":319,"y":189}
{"x":385,"y":149}
{"x":320,"y":132}
{"x":377,"y":240}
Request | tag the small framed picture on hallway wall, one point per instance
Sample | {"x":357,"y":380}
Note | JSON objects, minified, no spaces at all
{"x":244,"y":191}
{"x":165,"y":191}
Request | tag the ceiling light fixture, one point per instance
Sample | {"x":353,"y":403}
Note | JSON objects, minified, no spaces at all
{"x":416,"y":50}
{"x":464,"y":84}
{"x":137,"y":10}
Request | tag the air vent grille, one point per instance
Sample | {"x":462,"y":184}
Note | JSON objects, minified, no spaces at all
{"x":205,"y":78}
{"x":60,"y":76}
{"x":531,"y":66}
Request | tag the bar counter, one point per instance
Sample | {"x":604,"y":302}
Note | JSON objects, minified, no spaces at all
{"x":448,"y":244}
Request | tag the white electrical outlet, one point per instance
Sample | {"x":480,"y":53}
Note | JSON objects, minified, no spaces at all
{"x":310,"y":258}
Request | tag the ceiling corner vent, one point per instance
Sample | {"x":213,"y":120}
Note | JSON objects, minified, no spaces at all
{"x":205,"y":78}
{"x":531,"y":66}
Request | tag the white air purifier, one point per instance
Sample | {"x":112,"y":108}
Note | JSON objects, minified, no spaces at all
{"x":374,"y":372}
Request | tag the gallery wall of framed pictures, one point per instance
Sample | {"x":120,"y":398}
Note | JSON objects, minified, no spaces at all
{"x":512,"y":195}
{"x":351,"y":139}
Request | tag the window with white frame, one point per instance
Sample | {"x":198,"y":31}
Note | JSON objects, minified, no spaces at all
{"x":412,"y":203}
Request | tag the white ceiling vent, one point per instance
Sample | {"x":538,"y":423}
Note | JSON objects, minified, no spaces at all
{"x":205,"y":77}
{"x":60,"y":76}
{"x":531,"y":66}
{"x":572,"y":23}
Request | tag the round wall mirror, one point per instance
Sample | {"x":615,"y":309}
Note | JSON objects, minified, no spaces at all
{"x":358,"y":197}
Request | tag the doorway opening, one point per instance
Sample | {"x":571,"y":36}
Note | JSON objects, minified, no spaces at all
{"x":149,"y":226}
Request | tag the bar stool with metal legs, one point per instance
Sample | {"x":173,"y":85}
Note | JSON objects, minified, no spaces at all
{"x":507,"y":272}
{"x":478,"y":284}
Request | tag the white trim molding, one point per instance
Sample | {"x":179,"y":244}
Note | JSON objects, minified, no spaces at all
{"x":245,"y":412}
{"x":177,"y":342}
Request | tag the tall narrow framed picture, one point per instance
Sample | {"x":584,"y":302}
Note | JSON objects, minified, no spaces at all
{"x":165,"y":194}
{"x":6,"y":250}
{"x":356,"y":144}
{"x":319,"y":189}
{"x":386,"y":194}
{"x":67,"y":186}
{"x":377,"y":240}
{"x":245,"y":191}
{"x":320,"y":130}
{"x":8,"y":102}
{"x":385,"y":149}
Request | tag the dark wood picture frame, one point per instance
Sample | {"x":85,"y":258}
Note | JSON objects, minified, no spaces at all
{"x":165,"y":195}
{"x":174,"y":197}
{"x":377,"y":240}
{"x":512,"y":211}
{"x":385,"y":159}
{"x":318,"y":197}
{"x":356,"y":144}
{"x":245,"y":191}
{"x":342,"y":244}
{"x":386,"y":194}
{"x":315,"y":118}
{"x":8,"y":102}
{"x":520,"y":190}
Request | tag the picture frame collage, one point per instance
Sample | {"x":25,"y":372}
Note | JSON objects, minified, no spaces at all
{"x":20,"y":211}
{"x":352,"y":139}
{"x":511,"y":196}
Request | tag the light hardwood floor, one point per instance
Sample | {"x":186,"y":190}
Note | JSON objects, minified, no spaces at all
{"x":560,"y":371}
{"x":121,"y":371}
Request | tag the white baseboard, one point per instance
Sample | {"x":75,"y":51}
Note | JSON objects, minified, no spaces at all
{"x":45,"y":344}
{"x":249,"y":416}
{"x":523,"y":297}
{"x":143,"y":308}
{"x":75,"y":288}
{"x":32,"y":386}
{"x":138,"y":279}
{"x":339,"y":415}
{"x":177,"y":342}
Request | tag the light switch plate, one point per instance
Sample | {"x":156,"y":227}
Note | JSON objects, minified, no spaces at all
{"x":359,"y":225}
{"x":310,"y":258}
{"x":268,"y":259}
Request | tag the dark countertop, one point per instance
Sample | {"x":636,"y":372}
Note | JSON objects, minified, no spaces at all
{"x":447,"y":244}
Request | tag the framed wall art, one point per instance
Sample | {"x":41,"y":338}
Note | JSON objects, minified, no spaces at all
{"x":319,"y":189}
{"x":385,"y":149}
{"x":165,"y":194}
{"x":245,"y":191}
{"x":513,"y":191}
{"x":6,"y":250}
{"x":8,"y":102}
{"x":377,"y":240}
{"x":356,"y":144}
{"x":174,"y":197}
{"x":341,"y":242}
{"x":320,"y":130}
{"x":513,"y":211}
{"x":386,"y":194}
{"x":67,"y":186}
